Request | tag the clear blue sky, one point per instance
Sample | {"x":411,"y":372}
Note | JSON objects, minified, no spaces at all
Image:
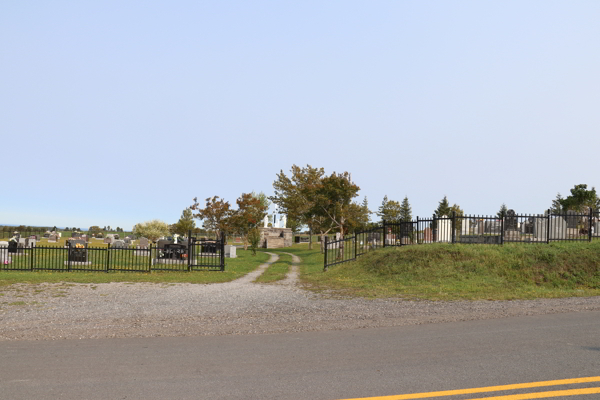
{"x":118,"y":112}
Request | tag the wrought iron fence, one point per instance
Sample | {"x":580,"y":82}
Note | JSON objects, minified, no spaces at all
{"x":192,"y":256}
{"x":467,"y":229}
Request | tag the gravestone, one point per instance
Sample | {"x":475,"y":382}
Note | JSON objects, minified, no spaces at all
{"x":47,"y":235}
{"x":427,"y":235}
{"x":4,"y":255}
{"x":492,"y":227}
{"x":52,"y":238}
{"x":127,"y":241}
{"x":143,"y":243}
{"x":78,"y":251}
{"x":108,"y":240}
{"x":230,"y":251}
{"x":572,"y":218}
{"x":444,"y":230}
{"x":465,"y":227}
{"x":558,"y":227}
{"x":540,"y":228}
{"x":510,"y":221}
{"x":75,"y":235}
{"x":118,"y":244}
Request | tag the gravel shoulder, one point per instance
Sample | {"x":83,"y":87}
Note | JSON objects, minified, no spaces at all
{"x":83,"y":311}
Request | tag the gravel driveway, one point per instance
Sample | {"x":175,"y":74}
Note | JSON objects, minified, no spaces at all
{"x":70,"y":311}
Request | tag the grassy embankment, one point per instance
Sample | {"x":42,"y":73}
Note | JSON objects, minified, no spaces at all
{"x":234,"y":268}
{"x":451,"y":272}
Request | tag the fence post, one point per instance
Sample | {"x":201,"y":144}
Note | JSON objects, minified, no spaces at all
{"x":150,"y":257}
{"x":417,"y":231}
{"x":355,"y":245}
{"x":32,"y":254}
{"x":548,"y":228}
{"x":433,"y":229}
{"x":108,"y":258}
{"x":325,"y":265}
{"x":189,"y":249}
{"x":453,"y":227}
{"x":223,"y":240}
{"x":384,"y":230}
{"x":502,"y":228}
{"x":69,"y":256}
{"x":590,"y":225}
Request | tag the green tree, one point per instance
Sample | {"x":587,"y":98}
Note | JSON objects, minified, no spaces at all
{"x":556,"y":207}
{"x":185,"y":224}
{"x":151,"y":229}
{"x":334,"y":200}
{"x":405,"y":210}
{"x":215,"y":216}
{"x":459,"y":213}
{"x":251,"y":211}
{"x":389,"y":210}
{"x":581,"y":199}
{"x":295,"y":196}
{"x":502,"y":212}
{"x":94,"y":229}
{"x":444,"y":209}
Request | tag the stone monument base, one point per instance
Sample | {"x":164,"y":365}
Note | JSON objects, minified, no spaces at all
{"x":275,"y":238}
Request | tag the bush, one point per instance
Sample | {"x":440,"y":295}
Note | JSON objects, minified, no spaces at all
{"x":254,"y":239}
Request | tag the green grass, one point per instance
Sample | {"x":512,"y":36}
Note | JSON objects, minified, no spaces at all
{"x":450,"y":272}
{"x":234,"y":268}
{"x":277,"y":270}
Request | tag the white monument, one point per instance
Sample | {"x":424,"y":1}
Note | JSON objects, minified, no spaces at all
{"x":266,"y":221}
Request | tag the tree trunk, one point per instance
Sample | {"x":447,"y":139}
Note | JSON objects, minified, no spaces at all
{"x":310,"y":239}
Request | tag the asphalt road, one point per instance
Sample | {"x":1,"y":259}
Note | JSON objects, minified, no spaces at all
{"x":312,"y":365}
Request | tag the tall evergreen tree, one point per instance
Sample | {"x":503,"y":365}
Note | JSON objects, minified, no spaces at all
{"x":405,"y":210}
{"x":556,"y":207}
{"x":443,"y":209}
{"x":502,"y":211}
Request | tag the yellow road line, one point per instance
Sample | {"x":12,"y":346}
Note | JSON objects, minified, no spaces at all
{"x":544,"y":395}
{"x":488,"y":389}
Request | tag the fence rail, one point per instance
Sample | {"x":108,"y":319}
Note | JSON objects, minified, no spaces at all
{"x":193,"y":256}
{"x":466,"y":229}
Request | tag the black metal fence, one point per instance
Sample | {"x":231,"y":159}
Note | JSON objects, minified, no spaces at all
{"x":466,"y":229}
{"x":194,"y":255}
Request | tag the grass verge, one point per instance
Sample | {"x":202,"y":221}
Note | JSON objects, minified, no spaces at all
{"x":277,"y":270}
{"x":234,"y":268}
{"x":474,"y":272}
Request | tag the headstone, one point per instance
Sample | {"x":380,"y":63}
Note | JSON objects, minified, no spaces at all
{"x":230,"y":251}
{"x":47,"y":234}
{"x":108,"y":240}
{"x":465,"y":227}
{"x":540,"y":228}
{"x":444,"y":230}
{"x":558,"y":227}
{"x":510,"y":221}
{"x":118,"y":244}
{"x":127,"y":240}
{"x":238,"y":240}
{"x":427,"y":235}
{"x":572,"y":218}
{"x":52,"y":238}
{"x":143,"y":243}
{"x":76,"y":235}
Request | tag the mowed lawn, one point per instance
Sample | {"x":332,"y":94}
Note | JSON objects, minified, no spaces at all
{"x":234,"y":268}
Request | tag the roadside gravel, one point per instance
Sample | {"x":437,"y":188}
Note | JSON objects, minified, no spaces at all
{"x":71,"y":311}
